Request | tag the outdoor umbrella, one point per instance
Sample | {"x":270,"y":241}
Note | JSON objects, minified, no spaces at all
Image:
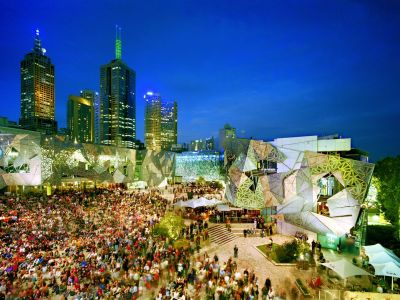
{"x":377,"y":248}
{"x":345,"y":268}
{"x":388,"y":269}
{"x":383,"y":258}
{"x":180,"y":203}
{"x":200,"y":202}
{"x":214,"y":201}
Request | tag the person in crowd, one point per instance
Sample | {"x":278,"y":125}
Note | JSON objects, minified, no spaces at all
{"x":235,"y":251}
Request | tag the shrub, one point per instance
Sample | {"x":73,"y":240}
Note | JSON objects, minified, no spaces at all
{"x":181,"y":244}
{"x":384,"y":235}
{"x":287,"y":252}
{"x":170,"y":226}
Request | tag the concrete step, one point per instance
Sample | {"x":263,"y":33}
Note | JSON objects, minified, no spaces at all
{"x":220,"y":235}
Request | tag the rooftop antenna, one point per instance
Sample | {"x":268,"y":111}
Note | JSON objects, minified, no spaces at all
{"x":38,"y":45}
{"x":118,"y":43}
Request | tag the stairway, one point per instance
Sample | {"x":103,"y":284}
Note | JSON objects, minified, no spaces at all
{"x":220,"y":235}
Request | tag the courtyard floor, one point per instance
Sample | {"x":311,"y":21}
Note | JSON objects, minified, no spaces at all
{"x":282,"y":276}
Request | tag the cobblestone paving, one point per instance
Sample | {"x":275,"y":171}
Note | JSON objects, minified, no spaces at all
{"x":249,"y":257}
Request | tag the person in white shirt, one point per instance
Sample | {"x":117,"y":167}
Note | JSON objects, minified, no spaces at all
{"x":271,"y":294}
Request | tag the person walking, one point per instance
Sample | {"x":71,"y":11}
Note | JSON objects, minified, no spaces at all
{"x":235,"y":251}
{"x":271,"y":294}
{"x":267,"y":284}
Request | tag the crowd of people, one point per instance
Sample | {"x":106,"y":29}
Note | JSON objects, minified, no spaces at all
{"x":189,"y":191}
{"x":99,"y":245}
{"x":208,"y":278}
{"x":82,"y":244}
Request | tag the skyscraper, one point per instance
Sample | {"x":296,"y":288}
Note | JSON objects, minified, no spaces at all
{"x":117,"y":101}
{"x":95,"y":99}
{"x":37,"y":90}
{"x":80,"y":118}
{"x":152,"y":121}
{"x":227,"y":132}
{"x":169,"y":124}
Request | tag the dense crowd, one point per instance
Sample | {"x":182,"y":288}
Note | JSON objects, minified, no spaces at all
{"x":90,"y":245}
{"x":99,"y":245}
{"x":188,"y":191}
{"x":206,"y":278}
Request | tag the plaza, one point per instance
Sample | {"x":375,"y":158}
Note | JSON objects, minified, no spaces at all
{"x":190,"y":150}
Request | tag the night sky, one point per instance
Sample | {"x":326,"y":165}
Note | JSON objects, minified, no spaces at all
{"x":269,"y":68}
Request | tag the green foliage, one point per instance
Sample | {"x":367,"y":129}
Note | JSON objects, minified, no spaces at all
{"x":181,"y":244}
{"x":387,"y":173}
{"x":200,"y":180}
{"x":215,"y":184}
{"x":170,"y":226}
{"x":287,"y":252}
{"x":383,"y":234}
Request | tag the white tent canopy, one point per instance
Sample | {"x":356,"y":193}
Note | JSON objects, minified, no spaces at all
{"x":388,"y":269}
{"x":214,"y":201}
{"x":377,"y":248}
{"x":383,"y":258}
{"x":200,"y":202}
{"x":345,"y":268}
{"x":180,"y":203}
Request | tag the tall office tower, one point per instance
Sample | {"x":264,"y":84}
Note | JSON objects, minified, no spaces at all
{"x":227,"y":132}
{"x":210,"y":143}
{"x":37,"y":90}
{"x":117,"y":101}
{"x":80,"y":118}
{"x":95,"y":99}
{"x":152,"y":121}
{"x":169,"y":124}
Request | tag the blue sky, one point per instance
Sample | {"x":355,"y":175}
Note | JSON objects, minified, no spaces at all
{"x":269,"y":68}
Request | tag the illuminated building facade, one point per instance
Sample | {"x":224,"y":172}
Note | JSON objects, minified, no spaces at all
{"x":117,"y":102}
{"x":80,"y":118}
{"x":152,"y":120}
{"x":228,"y":132}
{"x":95,"y":99}
{"x":202,"y":145}
{"x":192,"y":165}
{"x":309,"y":184}
{"x":169,"y":124}
{"x":37,"y":90}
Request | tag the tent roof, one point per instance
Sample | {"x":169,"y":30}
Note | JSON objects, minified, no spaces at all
{"x":345,"y":268}
{"x":383,"y":258}
{"x":377,"y":248}
{"x":388,"y":269}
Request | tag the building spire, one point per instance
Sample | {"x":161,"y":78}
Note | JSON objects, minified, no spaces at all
{"x":38,"y":44}
{"x":118,"y":43}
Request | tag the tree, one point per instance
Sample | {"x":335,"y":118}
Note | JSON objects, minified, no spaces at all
{"x":170,"y":226}
{"x":387,"y":172}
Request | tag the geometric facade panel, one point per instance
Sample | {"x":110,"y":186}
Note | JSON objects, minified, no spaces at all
{"x":291,"y":175}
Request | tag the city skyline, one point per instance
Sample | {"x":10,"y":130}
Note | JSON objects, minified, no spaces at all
{"x":330,"y":79}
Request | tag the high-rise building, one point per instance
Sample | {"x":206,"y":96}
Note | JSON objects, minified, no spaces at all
{"x":202,"y":145}
{"x":80,"y":118}
{"x":152,"y":121}
{"x":169,"y":124}
{"x":37,"y":90}
{"x":227,"y":132}
{"x":117,"y":101}
{"x":210,"y":143}
{"x":95,"y":99}
{"x":161,"y":122}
